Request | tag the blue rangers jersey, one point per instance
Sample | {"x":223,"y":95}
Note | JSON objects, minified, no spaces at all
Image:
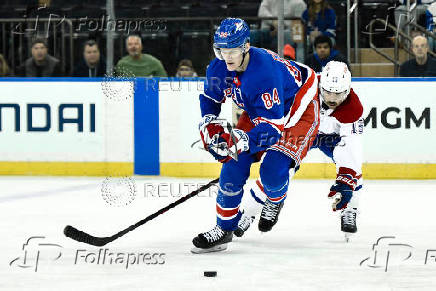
{"x":273,"y":91}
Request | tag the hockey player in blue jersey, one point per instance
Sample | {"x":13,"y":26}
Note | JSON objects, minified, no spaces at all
{"x":281,"y":101}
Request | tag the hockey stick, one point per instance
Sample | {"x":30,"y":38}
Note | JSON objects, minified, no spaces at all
{"x":194,"y":143}
{"x":84,"y":237}
{"x":233,"y":155}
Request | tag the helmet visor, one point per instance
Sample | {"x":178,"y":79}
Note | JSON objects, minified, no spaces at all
{"x":228,"y":53}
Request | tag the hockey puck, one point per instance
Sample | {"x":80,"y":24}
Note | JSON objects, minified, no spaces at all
{"x":210,"y":273}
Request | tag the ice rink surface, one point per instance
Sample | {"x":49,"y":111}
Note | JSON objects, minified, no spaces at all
{"x":394,"y":249}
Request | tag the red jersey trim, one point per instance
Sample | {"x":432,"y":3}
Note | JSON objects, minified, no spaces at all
{"x":350,"y":110}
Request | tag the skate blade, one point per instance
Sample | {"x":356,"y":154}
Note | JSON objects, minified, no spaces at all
{"x":214,"y":249}
{"x":347,"y":236}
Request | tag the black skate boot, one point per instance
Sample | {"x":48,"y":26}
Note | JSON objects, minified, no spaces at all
{"x":212,"y":241}
{"x":269,"y":215}
{"x":243,"y":224}
{"x":348,"y":222}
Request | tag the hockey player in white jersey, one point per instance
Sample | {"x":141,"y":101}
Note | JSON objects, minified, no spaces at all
{"x":339,"y":137}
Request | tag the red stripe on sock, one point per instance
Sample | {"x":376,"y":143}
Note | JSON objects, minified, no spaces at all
{"x":226,"y":212}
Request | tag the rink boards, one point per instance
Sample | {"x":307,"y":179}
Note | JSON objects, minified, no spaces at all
{"x":82,"y":126}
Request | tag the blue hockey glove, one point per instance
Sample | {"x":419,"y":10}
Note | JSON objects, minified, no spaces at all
{"x":342,"y":190}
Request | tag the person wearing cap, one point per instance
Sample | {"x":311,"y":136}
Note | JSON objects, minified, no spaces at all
{"x":41,"y":64}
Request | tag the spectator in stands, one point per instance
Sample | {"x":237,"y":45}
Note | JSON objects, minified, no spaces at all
{"x":185,"y":69}
{"x":415,"y":15}
{"x":137,"y":63}
{"x":41,"y":64}
{"x":422,"y":65}
{"x":323,"y":54}
{"x":92,"y":65}
{"x":4,"y":68}
{"x":43,"y":3}
{"x":430,"y":23}
{"x":320,"y":19}
{"x":268,"y":8}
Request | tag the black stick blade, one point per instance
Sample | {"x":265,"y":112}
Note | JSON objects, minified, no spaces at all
{"x":81,"y":236}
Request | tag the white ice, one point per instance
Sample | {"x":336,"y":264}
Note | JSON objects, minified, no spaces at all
{"x":305,"y":250}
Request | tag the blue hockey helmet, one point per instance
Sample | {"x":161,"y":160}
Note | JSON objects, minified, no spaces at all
{"x":232,"y":33}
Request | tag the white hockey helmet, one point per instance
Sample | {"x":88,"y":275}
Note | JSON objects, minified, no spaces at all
{"x":335,"y":83}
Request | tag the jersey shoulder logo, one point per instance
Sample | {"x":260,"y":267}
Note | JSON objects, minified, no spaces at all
{"x":236,"y":95}
{"x":238,"y":25}
{"x":236,"y":81}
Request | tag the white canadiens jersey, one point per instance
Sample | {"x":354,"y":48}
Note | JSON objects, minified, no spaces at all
{"x":340,"y":133}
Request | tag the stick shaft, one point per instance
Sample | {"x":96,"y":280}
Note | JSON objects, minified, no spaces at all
{"x":81,"y":236}
{"x":166,"y":208}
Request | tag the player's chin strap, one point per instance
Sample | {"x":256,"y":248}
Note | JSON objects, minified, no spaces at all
{"x":243,"y":56}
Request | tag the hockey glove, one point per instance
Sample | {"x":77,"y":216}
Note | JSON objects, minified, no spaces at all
{"x":209,"y":128}
{"x":224,"y":147}
{"x":219,"y":142}
{"x":342,"y":190}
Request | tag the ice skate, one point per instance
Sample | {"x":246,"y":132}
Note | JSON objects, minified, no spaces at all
{"x":269,"y":215}
{"x":214,"y":240}
{"x":243,"y":224}
{"x":348,"y":222}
